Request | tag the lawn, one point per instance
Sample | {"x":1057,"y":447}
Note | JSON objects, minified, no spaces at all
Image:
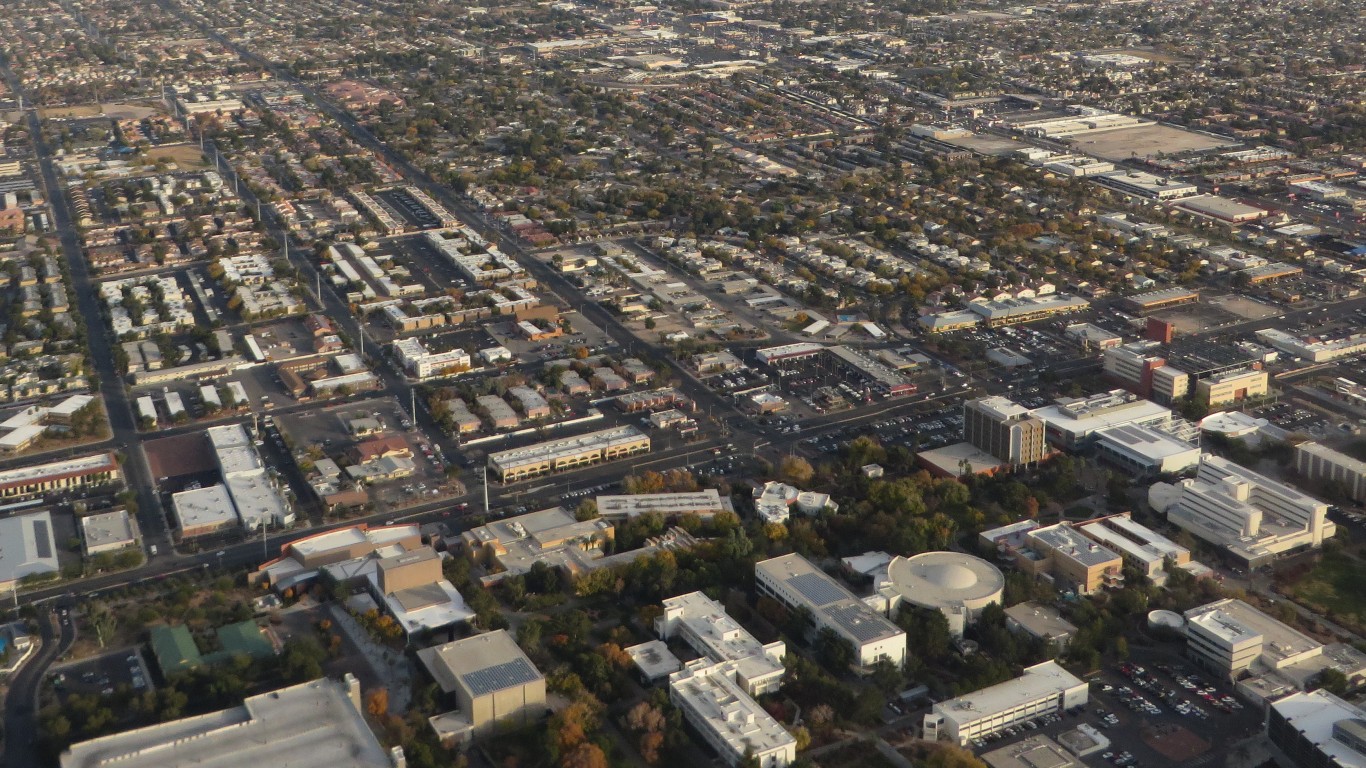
{"x":1333,"y":587}
{"x":187,"y":157}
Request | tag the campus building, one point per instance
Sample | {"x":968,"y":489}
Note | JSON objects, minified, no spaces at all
{"x":1042,"y":689}
{"x":61,"y":475}
{"x":1004,"y":430}
{"x":489,"y":681}
{"x":1318,"y":730}
{"x":796,"y":583}
{"x":1264,"y":657}
{"x":732,"y":723}
{"x":1252,"y":517}
{"x":1071,"y":421}
{"x":703,"y":503}
{"x":956,"y":584}
{"x":1319,"y":463}
{"x":1057,"y":554}
{"x":320,"y":724}
{"x":1145,"y":451}
{"x":27,"y":548}
{"x":704,"y":625}
{"x":568,"y":453}
{"x":1142,"y":548}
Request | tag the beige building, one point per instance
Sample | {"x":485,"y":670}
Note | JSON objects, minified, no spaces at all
{"x":1321,"y":463}
{"x":488,"y":680}
{"x":568,"y":453}
{"x":1004,"y":430}
{"x":1232,"y":387}
{"x":1057,"y":553}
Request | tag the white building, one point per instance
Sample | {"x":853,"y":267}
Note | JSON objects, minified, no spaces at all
{"x":796,"y":583}
{"x":1146,"y":451}
{"x":1315,"y":351}
{"x":956,"y":584}
{"x":253,"y":491}
{"x":423,"y":364}
{"x":1318,"y":729}
{"x":1321,"y":463}
{"x":1253,"y":517}
{"x":26,"y":548}
{"x":1043,"y":689}
{"x":1071,"y":421}
{"x":729,"y":720}
{"x":704,"y":625}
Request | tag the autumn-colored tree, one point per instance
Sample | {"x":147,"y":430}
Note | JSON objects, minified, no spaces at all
{"x":377,"y":702}
{"x":820,"y":716}
{"x":614,"y":655}
{"x":796,"y":470}
{"x":650,"y":744}
{"x":586,"y":755}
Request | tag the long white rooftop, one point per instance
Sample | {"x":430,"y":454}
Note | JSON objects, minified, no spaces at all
{"x":1037,"y":682}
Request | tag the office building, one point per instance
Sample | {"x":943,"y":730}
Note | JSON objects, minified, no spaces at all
{"x":26,"y":549}
{"x":203,"y":511}
{"x":62,"y":475}
{"x":1142,"y":548}
{"x":1318,"y":730}
{"x":704,"y":625}
{"x":956,"y":584}
{"x":703,"y":503}
{"x":510,"y":546}
{"x":1004,"y":430}
{"x":1042,"y":689}
{"x":1265,"y":657}
{"x":1041,"y":621}
{"x":1144,"y":451}
{"x":1072,"y":421}
{"x":1073,"y":561}
{"x":108,"y":532}
{"x":423,"y":364}
{"x":1232,"y":387}
{"x":489,"y":681}
{"x":320,"y":724}
{"x":796,"y":583}
{"x":568,"y":453}
{"x":1252,"y":517}
{"x":1314,"y":350}
{"x":732,"y":723}
{"x":1322,"y":464}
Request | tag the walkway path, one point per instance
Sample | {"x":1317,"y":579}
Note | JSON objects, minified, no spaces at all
{"x":390,"y":666}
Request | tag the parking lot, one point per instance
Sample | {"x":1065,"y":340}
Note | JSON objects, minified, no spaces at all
{"x":103,"y":674}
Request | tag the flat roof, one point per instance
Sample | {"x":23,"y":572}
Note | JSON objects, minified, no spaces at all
{"x":654,"y":659}
{"x":26,"y":546}
{"x":999,"y":407}
{"x":1317,"y":715}
{"x":311,"y":725}
{"x":824,"y":596}
{"x":204,"y":506}
{"x":949,"y":458}
{"x":706,"y":501}
{"x":1034,"y":752}
{"x":1085,"y":416}
{"x":55,"y":470}
{"x":720,"y":637}
{"x":480,"y":665}
{"x":1334,"y":457}
{"x":1144,"y":442}
{"x":1139,"y":540}
{"x":1040,"y":620}
{"x":551,"y":450}
{"x":108,"y":528}
{"x":1234,"y":622}
{"x":723,"y":708}
{"x":1040,"y":681}
{"x":1068,"y":542}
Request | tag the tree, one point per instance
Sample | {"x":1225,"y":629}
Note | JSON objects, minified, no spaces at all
{"x":586,"y":755}
{"x":796,"y":470}
{"x":377,"y":703}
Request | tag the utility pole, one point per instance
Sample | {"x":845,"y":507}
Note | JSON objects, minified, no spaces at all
{"x":484,"y":474}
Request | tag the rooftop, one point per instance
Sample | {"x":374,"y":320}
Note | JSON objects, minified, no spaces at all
{"x":1135,"y":539}
{"x":828,"y":598}
{"x":703,"y":502}
{"x":26,"y":546}
{"x":723,"y":707}
{"x":1322,"y":717}
{"x":107,"y":528}
{"x":480,"y":665}
{"x":945,"y":579}
{"x":203,"y":507}
{"x":1065,"y":540}
{"x":1145,"y":442}
{"x":1235,"y":622}
{"x":1038,"y":682}
{"x":565,"y":447}
{"x":81,"y":465}
{"x":312,"y":725}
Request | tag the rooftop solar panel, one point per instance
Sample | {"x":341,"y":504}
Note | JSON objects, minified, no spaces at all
{"x":817,"y":588}
{"x":860,"y":622}
{"x":500,"y":677}
{"x":41,"y":540}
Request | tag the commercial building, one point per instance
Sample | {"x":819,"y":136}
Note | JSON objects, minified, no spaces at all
{"x":703,"y":503}
{"x":1232,"y":387}
{"x":1314,"y":350}
{"x":1141,"y":547}
{"x":1265,"y":657}
{"x":1042,"y":689}
{"x":956,"y":584}
{"x":1320,"y":463}
{"x":1223,"y":209}
{"x":1147,"y":185}
{"x":1252,"y":517}
{"x":796,"y":583}
{"x":1071,"y":421}
{"x":27,"y":549}
{"x":203,"y":511}
{"x":320,"y":724}
{"x":1041,"y":621}
{"x":568,"y":453}
{"x":1004,"y":429}
{"x":423,"y":364}
{"x":253,"y":490}
{"x":108,"y":532}
{"x":1318,"y":730}
{"x":1003,"y":312}
{"x":65,"y":474}
{"x":731,"y":722}
{"x":704,"y":625}
{"x":346,"y":553}
{"x":1145,"y":451}
{"x":490,"y":682}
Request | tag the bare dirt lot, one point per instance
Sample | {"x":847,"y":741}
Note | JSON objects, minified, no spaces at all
{"x":1175,"y":742}
{"x":1195,"y":318}
{"x":1248,"y":309}
{"x":1145,"y":141}
{"x":186,"y":157}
